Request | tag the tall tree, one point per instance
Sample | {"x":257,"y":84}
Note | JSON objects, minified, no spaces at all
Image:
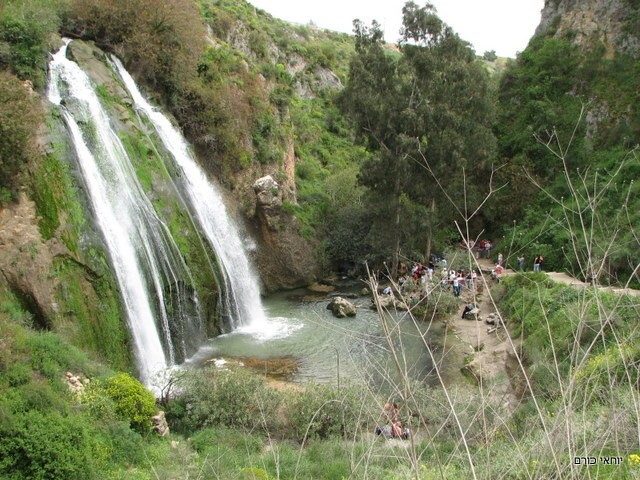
{"x":429,"y":96}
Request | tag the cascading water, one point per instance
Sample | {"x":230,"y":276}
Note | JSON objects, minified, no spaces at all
{"x":242,"y":290}
{"x":155,"y":283}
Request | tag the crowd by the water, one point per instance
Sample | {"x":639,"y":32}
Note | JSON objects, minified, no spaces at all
{"x":421,"y":279}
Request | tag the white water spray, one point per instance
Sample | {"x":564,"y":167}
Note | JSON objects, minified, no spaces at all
{"x":147,"y":264}
{"x":242,"y":289}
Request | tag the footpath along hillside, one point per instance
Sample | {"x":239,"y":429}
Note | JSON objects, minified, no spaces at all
{"x":489,"y":352}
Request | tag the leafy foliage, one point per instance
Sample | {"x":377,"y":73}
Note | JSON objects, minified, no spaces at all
{"x":571,"y":137}
{"x":19,"y":113}
{"x":159,"y":40}
{"x":27,"y":29}
{"x":220,"y":397}
{"x":35,"y":445}
{"x":429,"y":103}
{"x":538,"y":306}
{"x":321,"y":411}
{"x":132,"y":400}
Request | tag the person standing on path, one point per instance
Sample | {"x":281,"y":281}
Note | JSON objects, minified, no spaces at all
{"x":500,"y":259}
{"x":536,"y":263}
{"x":521,"y":261}
{"x":456,"y":286}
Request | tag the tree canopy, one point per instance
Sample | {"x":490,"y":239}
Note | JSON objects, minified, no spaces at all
{"x":425,"y":102}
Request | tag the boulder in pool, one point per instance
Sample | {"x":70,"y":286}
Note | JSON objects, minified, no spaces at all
{"x":341,"y":308}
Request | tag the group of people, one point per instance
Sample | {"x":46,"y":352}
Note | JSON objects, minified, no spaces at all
{"x":483,"y":248}
{"x":421,"y":276}
{"x":459,"y":279}
{"x":537,"y":263}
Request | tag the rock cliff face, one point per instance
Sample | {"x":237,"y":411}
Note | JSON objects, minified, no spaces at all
{"x":612,"y":23}
{"x":284,"y":259}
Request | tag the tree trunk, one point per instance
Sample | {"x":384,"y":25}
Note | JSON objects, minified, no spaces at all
{"x":430,"y":230}
{"x":396,"y":229}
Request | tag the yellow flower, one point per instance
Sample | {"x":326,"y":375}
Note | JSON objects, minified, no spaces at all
{"x":634,"y":460}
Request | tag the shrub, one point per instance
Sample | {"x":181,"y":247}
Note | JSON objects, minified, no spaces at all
{"x":132,"y":400}
{"x":18,"y":375}
{"x":321,"y":411}
{"x":43,"y":446}
{"x":26,"y":30}
{"x":52,"y":356}
{"x":19,"y":118}
{"x":234,"y":398}
{"x":160,"y":39}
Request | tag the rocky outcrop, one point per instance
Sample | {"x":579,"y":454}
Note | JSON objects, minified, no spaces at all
{"x":389,"y":302}
{"x":289,"y":170}
{"x":284,"y":258}
{"x":26,"y":261}
{"x":589,"y":22}
{"x":341,"y":308}
{"x":160,"y":425}
{"x":268,"y":201}
{"x":320,"y":79}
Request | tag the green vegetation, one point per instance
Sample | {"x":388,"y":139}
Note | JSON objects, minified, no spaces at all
{"x":562,"y":128}
{"x":91,"y":316}
{"x":422,"y":114}
{"x":28,"y":30}
{"x":131,"y":400}
{"x":19,"y":113}
{"x":576,"y":141}
{"x":57,"y":198}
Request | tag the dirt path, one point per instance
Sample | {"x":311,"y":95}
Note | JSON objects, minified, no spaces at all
{"x":489,"y":356}
{"x":560,"y":277}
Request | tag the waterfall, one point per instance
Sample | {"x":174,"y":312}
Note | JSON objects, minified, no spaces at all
{"x":242,"y":291}
{"x":155,"y":284}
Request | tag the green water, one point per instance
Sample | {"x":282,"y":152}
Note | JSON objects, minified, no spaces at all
{"x":326,"y":347}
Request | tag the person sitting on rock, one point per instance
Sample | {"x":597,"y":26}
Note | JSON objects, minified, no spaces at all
{"x":468,"y":309}
{"x":497,"y":272}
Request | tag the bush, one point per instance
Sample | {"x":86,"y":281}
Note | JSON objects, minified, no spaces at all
{"x":27,"y":28}
{"x":233,"y":398}
{"x":161,"y":40}
{"x":132,"y":400}
{"x":52,"y":356}
{"x":19,"y":119}
{"x":38,"y":446}
{"x":321,"y":411}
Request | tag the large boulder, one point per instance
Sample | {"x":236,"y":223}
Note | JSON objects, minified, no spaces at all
{"x":160,"y":425}
{"x":341,"y":308}
{"x":267,"y":192}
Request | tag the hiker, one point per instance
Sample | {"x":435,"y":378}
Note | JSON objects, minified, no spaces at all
{"x":456,"y":286}
{"x":500,"y":258}
{"x":521,"y":261}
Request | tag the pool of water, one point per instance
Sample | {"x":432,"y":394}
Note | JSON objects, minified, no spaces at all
{"x":327,"y":348}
